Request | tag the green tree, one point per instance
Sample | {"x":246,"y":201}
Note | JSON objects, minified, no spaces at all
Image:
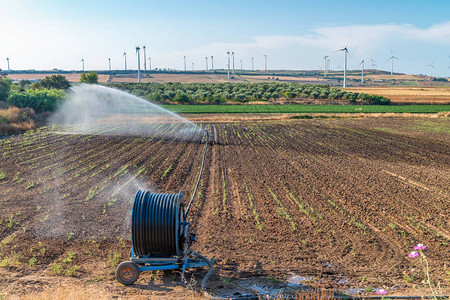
{"x":5,"y":87}
{"x":39,"y":100}
{"x":91,"y":77}
{"x":55,"y":82}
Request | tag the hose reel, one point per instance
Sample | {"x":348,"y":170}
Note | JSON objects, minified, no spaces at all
{"x":160,"y":235}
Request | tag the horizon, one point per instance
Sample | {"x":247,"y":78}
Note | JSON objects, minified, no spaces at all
{"x":294,"y":35}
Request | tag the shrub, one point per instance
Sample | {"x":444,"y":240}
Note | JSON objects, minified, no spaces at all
{"x":5,"y":87}
{"x":91,"y":77}
{"x":54,"y":82}
{"x":39,"y":100}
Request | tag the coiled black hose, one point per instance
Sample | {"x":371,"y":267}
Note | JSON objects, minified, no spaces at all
{"x":156,"y":221}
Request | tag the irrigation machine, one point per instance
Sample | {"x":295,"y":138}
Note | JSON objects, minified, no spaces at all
{"x":161,"y":236}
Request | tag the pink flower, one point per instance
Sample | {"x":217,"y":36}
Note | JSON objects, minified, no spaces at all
{"x":420,"y":247}
{"x":413,"y":254}
{"x":381,"y":292}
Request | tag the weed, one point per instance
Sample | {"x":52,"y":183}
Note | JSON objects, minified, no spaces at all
{"x":2,"y":175}
{"x":70,"y":257}
{"x":32,"y":261}
{"x":90,"y":195}
{"x":56,"y":269}
{"x":30,"y":185}
{"x":70,"y":235}
{"x":113,"y":259}
{"x":419,"y":252}
{"x":7,"y":240}
{"x":96,"y":279}
{"x":166,"y":172}
{"x":122,"y":243}
{"x":72,"y":270}
{"x":11,"y":222}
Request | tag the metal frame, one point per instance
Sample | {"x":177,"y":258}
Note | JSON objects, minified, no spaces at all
{"x":149,"y":263}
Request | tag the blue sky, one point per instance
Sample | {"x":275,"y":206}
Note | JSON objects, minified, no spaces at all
{"x":45,"y":34}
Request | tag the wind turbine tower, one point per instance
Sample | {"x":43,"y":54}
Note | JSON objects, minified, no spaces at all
{"x":139,"y":63}
{"x":325,"y":69}
{"x":109,"y":63}
{"x":125,"y":57}
{"x":145,"y":60}
{"x":212,"y":63}
{"x":253,"y":64}
{"x":232,"y":54}
{"x":82,"y":62}
{"x":345,"y":64}
{"x":206,"y":60}
{"x":265,"y":62}
{"x":431,"y":68}
{"x":228,"y":53}
{"x":184,"y":57}
{"x":192,"y":66}
{"x":7,"y":59}
{"x":392,"y":62}
{"x":241,"y":64}
{"x":362,"y":71}
{"x":149,"y":63}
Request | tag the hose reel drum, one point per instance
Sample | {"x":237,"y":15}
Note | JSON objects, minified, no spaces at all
{"x":160,"y":238}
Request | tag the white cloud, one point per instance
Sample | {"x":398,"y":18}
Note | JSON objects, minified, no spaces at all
{"x":305,"y":51}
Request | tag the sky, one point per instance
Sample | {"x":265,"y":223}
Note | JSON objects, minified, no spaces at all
{"x":295,"y":35}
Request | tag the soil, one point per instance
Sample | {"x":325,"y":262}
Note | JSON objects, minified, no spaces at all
{"x":334,"y":205}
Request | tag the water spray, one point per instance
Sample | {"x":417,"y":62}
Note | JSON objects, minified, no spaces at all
{"x":161,"y":236}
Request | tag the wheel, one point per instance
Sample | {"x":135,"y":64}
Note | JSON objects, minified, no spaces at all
{"x":127,"y":273}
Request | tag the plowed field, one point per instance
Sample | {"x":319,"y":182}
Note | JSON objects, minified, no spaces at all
{"x":339,"y":202}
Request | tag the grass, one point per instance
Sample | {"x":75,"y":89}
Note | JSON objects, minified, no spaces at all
{"x":299,"y":108}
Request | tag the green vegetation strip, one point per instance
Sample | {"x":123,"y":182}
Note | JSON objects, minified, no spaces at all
{"x":299,"y":108}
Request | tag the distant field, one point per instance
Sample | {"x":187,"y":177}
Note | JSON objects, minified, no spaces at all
{"x":428,"y":95}
{"x":294,"y":108}
{"x":72,"y":77}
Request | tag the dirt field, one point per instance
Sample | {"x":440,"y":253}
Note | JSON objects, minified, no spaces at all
{"x":334,"y":204}
{"x":72,"y":77}
{"x":404,"y":95}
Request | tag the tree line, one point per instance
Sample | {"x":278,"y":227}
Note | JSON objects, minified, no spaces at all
{"x":217,"y":93}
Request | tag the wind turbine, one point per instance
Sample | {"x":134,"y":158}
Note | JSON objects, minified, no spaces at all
{"x":145,"y":60}
{"x":109,"y":63}
{"x":212,"y":63}
{"x":82,"y":61}
{"x":362,"y":71}
{"x":184,"y":57}
{"x":7,"y":59}
{"x":345,"y":64}
{"x":206,"y":60}
{"x":125,"y":57}
{"x":392,"y":62}
{"x":139,"y":63}
{"x":431,"y":68}
{"x":253,"y":64}
{"x":265,"y":62}
{"x":228,"y":53}
{"x":325,"y":61}
{"x":232,"y":54}
{"x":149,"y":63}
{"x":373,"y":63}
{"x":192,"y":66}
{"x":241,"y":64}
